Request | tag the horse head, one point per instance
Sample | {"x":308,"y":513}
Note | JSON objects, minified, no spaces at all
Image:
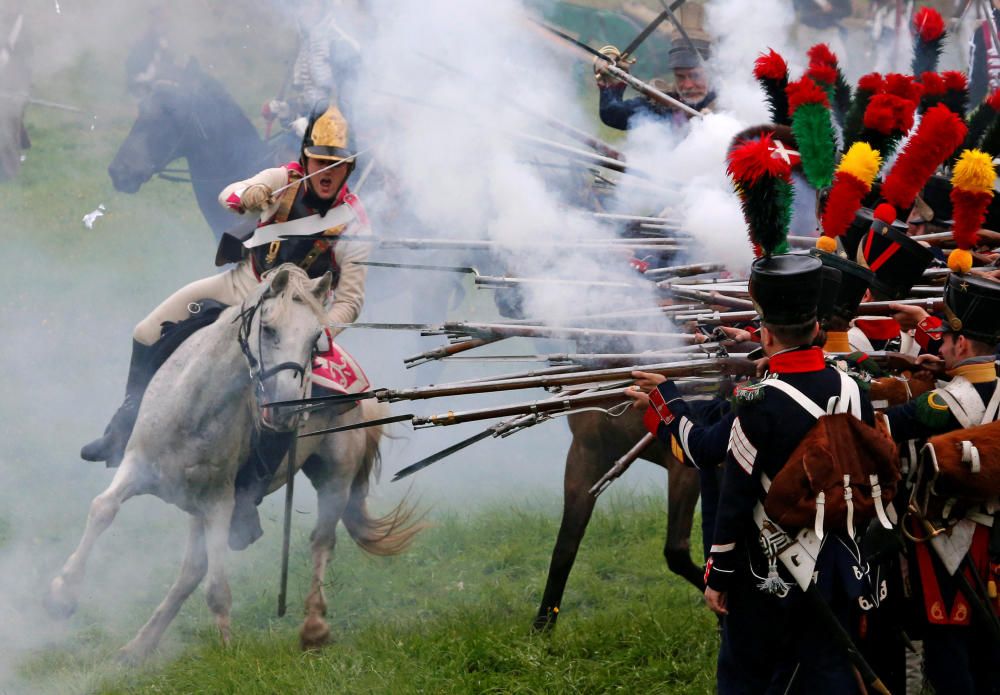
{"x":167,"y":128}
{"x":278,"y":338}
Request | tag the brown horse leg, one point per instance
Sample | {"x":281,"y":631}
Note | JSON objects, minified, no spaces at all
{"x":682,"y":497}
{"x":583,"y":468}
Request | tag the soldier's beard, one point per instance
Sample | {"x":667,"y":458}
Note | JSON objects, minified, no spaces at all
{"x":693,"y":96}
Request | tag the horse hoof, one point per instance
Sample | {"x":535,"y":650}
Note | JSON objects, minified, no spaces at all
{"x":315,"y":633}
{"x":59,"y":601}
{"x":132,"y":654}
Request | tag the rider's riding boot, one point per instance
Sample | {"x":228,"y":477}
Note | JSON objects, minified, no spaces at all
{"x":111,"y":446}
{"x":267,"y":451}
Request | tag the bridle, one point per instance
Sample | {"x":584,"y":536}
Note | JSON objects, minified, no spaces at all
{"x":258,"y":373}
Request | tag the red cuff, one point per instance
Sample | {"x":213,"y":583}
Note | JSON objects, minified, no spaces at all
{"x":922,"y":334}
{"x":658,"y":412}
{"x":639,"y":264}
{"x":754,"y":332}
{"x":233,"y":202}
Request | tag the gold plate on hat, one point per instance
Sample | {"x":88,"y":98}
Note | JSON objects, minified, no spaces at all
{"x":330,"y":129}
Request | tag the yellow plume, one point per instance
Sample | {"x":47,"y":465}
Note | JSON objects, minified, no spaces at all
{"x":974,"y":172}
{"x":861,"y":162}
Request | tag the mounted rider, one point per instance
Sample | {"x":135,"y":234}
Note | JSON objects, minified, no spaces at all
{"x":315,"y":187}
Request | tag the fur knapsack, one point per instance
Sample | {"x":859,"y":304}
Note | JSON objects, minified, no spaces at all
{"x":841,"y":474}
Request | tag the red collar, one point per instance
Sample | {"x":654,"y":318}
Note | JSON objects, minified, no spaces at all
{"x":797,"y":361}
{"x":878,"y":329}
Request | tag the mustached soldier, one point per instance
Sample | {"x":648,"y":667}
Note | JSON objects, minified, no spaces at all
{"x":326,"y":194}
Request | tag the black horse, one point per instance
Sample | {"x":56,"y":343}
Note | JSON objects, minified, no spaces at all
{"x":191,"y":117}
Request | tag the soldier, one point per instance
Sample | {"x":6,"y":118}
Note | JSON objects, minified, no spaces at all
{"x":686,"y":61}
{"x":984,"y":58}
{"x":959,"y":655}
{"x":326,"y":194}
{"x":767,"y":642}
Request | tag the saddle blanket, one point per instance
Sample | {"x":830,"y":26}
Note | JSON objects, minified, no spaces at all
{"x":334,"y":370}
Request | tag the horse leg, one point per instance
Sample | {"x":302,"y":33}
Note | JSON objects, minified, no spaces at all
{"x":584,"y":467}
{"x":192,"y":571}
{"x":61,"y":599}
{"x":682,"y":497}
{"x":332,"y":499}
{"x":217,"y":594}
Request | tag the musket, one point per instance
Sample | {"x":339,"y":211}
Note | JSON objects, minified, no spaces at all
{"x":495,"y":281}
{"x":610,"y":68}
{"x":684,"y":368}
{"x":586,"y":138}
{"x":590,"y":359}
{"x":446,"y":351}
{"x":506,"y":330}
{"x":620,"y":217}
{"x":622,"y":464}
{"x":712,"y":297}
{"x":680,"y":271}
{"x":418,"y":244}
{"x":899,"y":362}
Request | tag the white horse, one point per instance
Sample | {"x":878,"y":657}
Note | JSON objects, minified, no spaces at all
{"x":193,"y":432}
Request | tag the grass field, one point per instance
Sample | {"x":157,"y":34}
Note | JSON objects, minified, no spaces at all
{"x":450,"y":616}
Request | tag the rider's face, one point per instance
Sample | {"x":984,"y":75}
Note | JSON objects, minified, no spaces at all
{"x":692,"y":84}
{"x":329,"y":183}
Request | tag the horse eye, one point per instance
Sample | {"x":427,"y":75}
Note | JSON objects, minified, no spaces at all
{"x":269,"y":332}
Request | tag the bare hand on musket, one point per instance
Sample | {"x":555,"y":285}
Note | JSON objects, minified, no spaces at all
{"x":929,"y":361}
{"x":737,"y":335}
{"x":644,"y":383}
{"x":908,"y":315}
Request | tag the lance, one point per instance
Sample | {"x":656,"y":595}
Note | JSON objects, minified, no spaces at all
{"x":622,"y":464}
{"x":684,"y":368}
{"x":610,"y":68}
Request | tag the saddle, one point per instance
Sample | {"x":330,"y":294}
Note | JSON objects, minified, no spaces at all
{"x":334,"y":370}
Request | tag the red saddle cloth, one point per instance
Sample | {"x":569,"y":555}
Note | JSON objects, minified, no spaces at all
{"x":336,"y":371}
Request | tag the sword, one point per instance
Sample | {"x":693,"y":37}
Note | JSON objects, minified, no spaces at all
{"x":634,"y":82}
{"x":336,"y":164}
{"x":338,"y":217}
{"x":651,"y":27}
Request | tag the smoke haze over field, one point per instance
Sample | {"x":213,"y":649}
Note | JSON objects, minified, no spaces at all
{"x":446,"y":92}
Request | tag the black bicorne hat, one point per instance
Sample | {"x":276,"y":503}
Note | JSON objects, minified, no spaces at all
{"x":854,"y":281}
{"x":972,"y":308}
{"x":786,"y":288}
{"x":684,"y":55}
{"x":897,"y":261}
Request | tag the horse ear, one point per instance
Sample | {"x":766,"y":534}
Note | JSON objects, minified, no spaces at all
{"x":278,"y":283}
{"x":321,"y":287}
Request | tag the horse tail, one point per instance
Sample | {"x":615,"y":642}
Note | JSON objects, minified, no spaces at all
{"x":379,"y":535}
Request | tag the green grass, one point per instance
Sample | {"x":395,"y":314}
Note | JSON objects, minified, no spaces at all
{"x":452,"y":615}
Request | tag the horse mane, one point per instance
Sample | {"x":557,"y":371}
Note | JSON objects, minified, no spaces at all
{"x":299,"y":288}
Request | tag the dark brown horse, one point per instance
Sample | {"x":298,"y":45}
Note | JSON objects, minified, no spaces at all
{"x":599,"y":440}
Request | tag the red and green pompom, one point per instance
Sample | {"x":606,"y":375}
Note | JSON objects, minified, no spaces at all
{"x":939,"y":134}
{"x":971,"y":193}
{"x":813,"y":129}
{"x":824,"y":69}
{"x":763,"y":181}
{"x":851,"y":183}
{"x":934,"y":89}
{"x":771,"y":72}
{"x":928,"y":39}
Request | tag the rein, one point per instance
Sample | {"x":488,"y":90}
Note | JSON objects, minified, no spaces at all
{"x":259,"y":374}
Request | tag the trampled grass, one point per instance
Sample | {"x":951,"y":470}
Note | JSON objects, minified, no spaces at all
{"x":452,"y":615}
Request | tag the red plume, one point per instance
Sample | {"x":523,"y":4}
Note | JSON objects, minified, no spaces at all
{"x":928,"y":24}
{"x":969,"y":213}
{"x":872,"y":82}
{"x":805,"y":91}
{"x":844,"y":200}
{"x":940,"y":133}
{"x":770,"y":66}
